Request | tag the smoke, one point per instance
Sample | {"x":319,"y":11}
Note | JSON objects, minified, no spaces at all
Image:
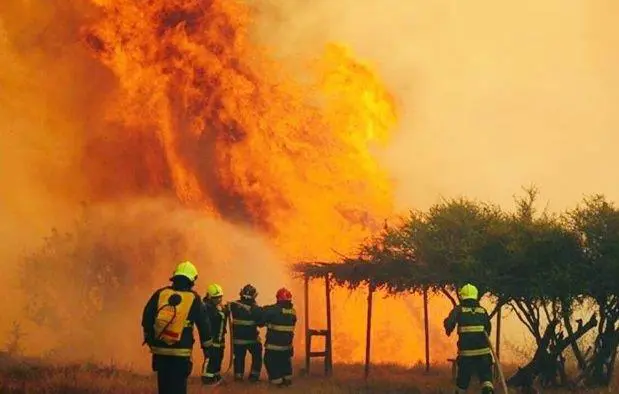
{"x":492,"y":95}
{"x":38,"y":144}
{"x":91,"y":282}
{"x":80,"y":260}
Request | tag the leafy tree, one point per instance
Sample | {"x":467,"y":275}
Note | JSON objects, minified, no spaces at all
{"x":544,"y":260}
{"x":539,"y":264}
{"x":450,"y":242}
{"x":596,"y":222}
{"x":526,"y":260}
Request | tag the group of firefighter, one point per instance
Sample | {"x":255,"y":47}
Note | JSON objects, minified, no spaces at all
{"x":172,"y":312}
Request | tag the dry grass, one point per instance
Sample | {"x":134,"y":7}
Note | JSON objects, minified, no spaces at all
{"x":34,"y":376}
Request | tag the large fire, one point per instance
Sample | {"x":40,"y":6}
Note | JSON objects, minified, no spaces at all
{"x":231,"y":133}
{"x":205,"y":114}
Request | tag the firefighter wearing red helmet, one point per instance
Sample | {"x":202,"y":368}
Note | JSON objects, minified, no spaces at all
{"x":280,"y":320}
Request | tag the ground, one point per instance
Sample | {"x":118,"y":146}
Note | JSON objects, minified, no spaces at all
{"x":35,"y":376}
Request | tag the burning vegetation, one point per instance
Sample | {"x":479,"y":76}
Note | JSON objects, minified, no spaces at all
{"x":216,"y":122}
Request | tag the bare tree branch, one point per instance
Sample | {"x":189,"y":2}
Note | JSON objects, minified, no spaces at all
{"x":524,"y":321}
{"x":449,"y":296}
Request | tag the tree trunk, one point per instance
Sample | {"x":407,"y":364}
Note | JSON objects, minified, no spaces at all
{"x":601,"y":365}
{"x":600,"y":370}
{"x":545,"y":362}
{"x":580,"y":359}
{"x":525,"y":376}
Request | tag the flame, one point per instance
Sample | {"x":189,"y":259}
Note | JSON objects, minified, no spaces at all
{"x":200,"y":112}
{"x":233,"y":134}
{"x":237,"y":137}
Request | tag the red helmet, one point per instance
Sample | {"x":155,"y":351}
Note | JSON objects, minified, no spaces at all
{"x":283,"y":294}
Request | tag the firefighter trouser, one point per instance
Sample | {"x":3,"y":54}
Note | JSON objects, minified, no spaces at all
{"x":212,"y":371}
{"x":278,"y":364}
{"x":475,"y":365}
{"x":172,"y":373}
{"x":255,"y":350}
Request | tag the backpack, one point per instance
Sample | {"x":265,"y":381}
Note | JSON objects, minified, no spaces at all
{"x":171,"y":318}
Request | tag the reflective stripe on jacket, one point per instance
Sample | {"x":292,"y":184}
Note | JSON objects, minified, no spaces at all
{"x":473,"y":323}
{"x":280,"y":320}
{"x":246,"y":318}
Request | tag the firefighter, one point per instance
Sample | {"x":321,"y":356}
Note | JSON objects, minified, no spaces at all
{"x":246,"y":318}
{"x":280,"y":320}
{"x":167,"y":321}
{"x":474,"y":354}
{"x":218,"y":317}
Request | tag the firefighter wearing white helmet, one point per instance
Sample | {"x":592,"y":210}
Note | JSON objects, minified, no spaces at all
{"x":167,"y":321}
{"x":217,"y":314}
{"x":474,"y":354}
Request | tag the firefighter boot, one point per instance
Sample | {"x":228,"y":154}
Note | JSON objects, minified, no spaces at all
{"x":487,"y":388}
{"x":211,"y":380}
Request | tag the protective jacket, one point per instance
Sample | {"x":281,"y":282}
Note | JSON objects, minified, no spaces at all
{"x":246,"y":318}
{"x":218,"y":319}
{"x":472,"y":320}
{"x":175,"y":337}
{"x":280,"y":320}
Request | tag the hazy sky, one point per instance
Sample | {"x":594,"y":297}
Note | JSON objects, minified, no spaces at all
{"x":493,"y":95}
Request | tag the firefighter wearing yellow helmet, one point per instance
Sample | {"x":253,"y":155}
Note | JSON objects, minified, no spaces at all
{"x":474,"y":354}
{"x":167,"y":321}
{"x":217,"y":314}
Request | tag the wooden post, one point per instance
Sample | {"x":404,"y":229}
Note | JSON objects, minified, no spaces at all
{"x":329,"y":348}
{"x":308,"y":345}
{"x":426,"y":327}
{"x":368,"y":332}
{"x":498,"y":334}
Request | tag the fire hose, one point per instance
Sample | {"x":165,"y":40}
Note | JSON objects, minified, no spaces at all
{"x":231,"y":346}
{"x":498,"y":363}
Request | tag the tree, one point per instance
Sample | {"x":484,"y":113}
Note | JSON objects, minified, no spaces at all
{"x":545,"y":259}
{"x":526,"y":260}
{"x":596,"y":221}
{"x":541,"y":265}
{"x":451,"y":242}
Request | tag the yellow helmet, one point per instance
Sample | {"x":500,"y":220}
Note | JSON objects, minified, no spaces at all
{"x":468,"y":292}
{"x":186,"y":269}
{"x":214,"y":290}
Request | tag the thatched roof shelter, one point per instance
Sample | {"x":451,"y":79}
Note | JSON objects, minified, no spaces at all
{"x":392,"y":276}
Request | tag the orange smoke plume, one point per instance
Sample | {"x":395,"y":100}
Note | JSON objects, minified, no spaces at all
{"x":221,"y":126}
{"x":229,"y":132}
{"x":194,"y":110}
